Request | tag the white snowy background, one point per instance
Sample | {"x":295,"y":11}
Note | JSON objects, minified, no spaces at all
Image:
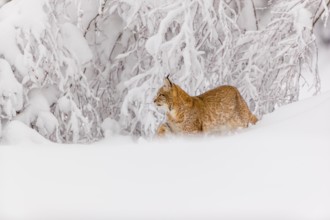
{"x":77,"y":79}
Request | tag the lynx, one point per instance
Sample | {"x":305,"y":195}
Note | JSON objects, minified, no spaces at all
{"x":217,"y":110}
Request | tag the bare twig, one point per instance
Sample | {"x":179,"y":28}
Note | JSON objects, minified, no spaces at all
{"x":95,"y":17}
{"x":317,"y":17}
{"x":255,"y":15}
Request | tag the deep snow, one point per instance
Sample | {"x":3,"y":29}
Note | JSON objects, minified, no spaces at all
{"x":278,"y":169}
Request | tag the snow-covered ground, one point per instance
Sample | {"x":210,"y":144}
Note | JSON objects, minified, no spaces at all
{"x":278,"y":169}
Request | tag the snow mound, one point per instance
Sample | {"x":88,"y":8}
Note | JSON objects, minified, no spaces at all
{"x":38,"y":114}
{"x":152,"y":44}
{"x":110,"y":127}
{"x":75,"y":42}
{"x":11,"y":91}
{"x":18,"y":133}
{"x":18,"y":17}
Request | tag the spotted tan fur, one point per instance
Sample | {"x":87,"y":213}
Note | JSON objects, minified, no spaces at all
{"x":219,"y":109}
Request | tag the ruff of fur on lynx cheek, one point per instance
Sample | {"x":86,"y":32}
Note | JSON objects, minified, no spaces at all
{"x":217,"y":110}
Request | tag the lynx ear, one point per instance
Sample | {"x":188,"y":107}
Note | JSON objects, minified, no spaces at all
{"x":167,"y":82}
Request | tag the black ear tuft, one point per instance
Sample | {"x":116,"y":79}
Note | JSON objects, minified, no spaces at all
{"x":167,"y":82}
{"x":167,"y":78}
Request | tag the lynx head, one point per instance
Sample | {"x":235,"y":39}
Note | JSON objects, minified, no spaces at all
{"x":164,"y":97}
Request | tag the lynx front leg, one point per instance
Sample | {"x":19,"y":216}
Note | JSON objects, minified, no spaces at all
{"x":162,"y":130}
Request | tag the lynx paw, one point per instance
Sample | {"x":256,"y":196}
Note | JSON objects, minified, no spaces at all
{"x":162,"y":130}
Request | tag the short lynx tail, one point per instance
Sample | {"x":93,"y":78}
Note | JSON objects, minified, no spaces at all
{"x":253,"y":119}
